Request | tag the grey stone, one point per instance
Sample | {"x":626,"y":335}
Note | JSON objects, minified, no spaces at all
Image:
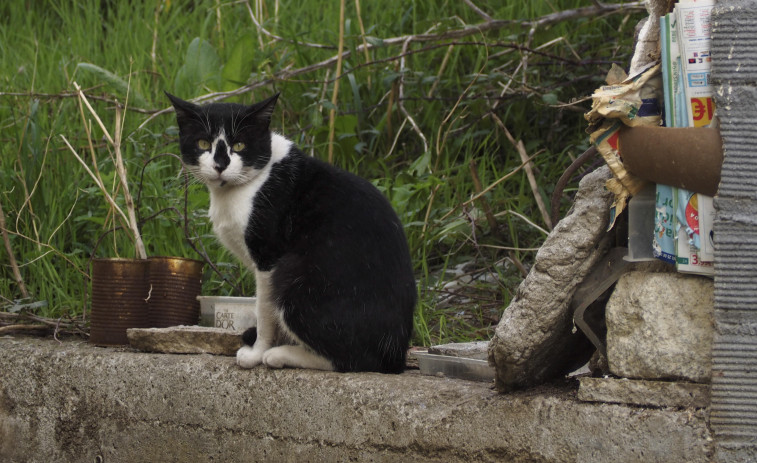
{"x":643,"y":392}
{"x":70,"y":401}
{"x":185,"y":340}
{"x":660,"y":326}
{"x":473,"y":350}
{"x":534,"y":339}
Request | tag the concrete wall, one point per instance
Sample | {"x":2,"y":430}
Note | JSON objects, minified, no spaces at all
{"x":73,"y":402}
{"x":734,"y":358}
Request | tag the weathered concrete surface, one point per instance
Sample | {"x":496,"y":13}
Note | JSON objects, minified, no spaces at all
{"x":73,"y":402}
{"x":644,"y":393}
{"x":535,"y":339}
{"x":185,"y":340}
{"x":734,"y":355}
{"x":660,"y":326}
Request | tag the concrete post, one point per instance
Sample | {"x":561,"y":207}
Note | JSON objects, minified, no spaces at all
{"x":734,"y":356}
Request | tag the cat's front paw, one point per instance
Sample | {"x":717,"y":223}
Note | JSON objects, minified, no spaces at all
{"x":276,"y":357}
{"x":249,"y":357}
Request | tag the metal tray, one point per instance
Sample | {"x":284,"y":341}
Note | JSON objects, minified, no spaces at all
{"x":454,"y":367}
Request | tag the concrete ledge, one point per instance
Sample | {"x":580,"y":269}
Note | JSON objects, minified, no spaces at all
{"x":644,"y":393}
{"x":72,"y":402}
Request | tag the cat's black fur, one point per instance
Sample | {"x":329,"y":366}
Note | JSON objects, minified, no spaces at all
{"x":341,"y":271}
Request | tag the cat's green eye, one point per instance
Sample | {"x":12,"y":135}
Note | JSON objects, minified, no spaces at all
{"x":238,"y":146}
{"x":203,"y":144}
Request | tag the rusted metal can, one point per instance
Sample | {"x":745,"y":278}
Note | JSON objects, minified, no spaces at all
{"x":120,"y":288}
{"x":175,"y":284}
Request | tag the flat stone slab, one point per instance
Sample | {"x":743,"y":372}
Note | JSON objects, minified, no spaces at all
{"x":644,"y":393}
{"x":185,"y":340}
{"x":72,"y":401}
{"x":478,"y":350}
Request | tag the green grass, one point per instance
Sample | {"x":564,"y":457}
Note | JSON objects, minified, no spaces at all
{"x":54,"y":213}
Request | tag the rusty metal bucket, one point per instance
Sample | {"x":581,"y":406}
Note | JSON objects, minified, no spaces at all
{"x":176,"y":282}
{"x":120,"y":288}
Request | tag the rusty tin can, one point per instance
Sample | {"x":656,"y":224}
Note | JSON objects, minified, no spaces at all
{"x":175,"y":284}
{"x":120,"y":288}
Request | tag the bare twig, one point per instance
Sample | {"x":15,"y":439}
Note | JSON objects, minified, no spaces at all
{"x":120,"y":169}
{"x":401,"y":105}
{"x":335,"y":94}
{"x":12,"y":328}
{"x":362,"y":35}
{"x":25,"y":321}
{"x":62,"y":95}
{"x":493,"y":225}
{"x":442,"y":67}
{"x":522,"y":217}
{"x":11,"y":257}
{"x":518,"y":145}
{"x":553,"y":18}
{"x":153,"y":50}
{"x":98,"y":182}
{"x":493,"y":185}
{"x":478,"y":11}
{"x":262,"y":30}
{"x":565,"y":178}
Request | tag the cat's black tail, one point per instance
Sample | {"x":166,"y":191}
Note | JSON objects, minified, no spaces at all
{"x":249,"y":336}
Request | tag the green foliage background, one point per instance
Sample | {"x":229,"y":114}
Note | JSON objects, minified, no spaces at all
{"x":128,"y":53}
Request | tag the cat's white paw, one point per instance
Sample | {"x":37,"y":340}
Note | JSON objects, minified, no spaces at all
{"x":295,"y":357}
{"x":249,"y":357}
{"x":275,"y":357}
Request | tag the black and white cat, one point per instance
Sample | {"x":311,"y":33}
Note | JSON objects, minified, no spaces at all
{"x":332,"y":266}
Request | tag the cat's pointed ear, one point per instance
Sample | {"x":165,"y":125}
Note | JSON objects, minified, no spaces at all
{"x":184,"y":109}
{"x":263,"y":111}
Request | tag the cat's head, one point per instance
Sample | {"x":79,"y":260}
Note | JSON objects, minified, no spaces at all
{"x":224,"y":144}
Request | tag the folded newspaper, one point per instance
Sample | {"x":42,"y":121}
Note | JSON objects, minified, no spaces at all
{"x":685,"y":50}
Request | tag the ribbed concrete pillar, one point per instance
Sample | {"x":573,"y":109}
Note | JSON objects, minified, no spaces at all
{"x":734,"y":358}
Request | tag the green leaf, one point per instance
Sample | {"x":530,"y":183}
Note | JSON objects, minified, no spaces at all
{"x":201,"y":68}
{"x":420,"y":165}
{"x":549,"y":98}
{"x":240,"y":64}
{"x":119,"y":86}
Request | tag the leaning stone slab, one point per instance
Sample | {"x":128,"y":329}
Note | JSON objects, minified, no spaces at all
{"x":660,"y":326}
{"x":534,"y":340}
{"x":185,"y":340}
{"x":643,"y":392}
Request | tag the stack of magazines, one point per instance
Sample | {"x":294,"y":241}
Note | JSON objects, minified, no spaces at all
{"x":683,"y":220}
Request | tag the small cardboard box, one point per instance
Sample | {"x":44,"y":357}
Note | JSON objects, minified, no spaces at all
{"x":227,"y":312}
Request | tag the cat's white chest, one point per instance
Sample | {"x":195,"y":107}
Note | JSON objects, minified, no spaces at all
{"x":231,"y":206}
{"x":230,"y":212}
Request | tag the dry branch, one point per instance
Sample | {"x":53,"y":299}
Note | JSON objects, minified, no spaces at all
{"x":528,"y":167}
{"x":598,"y":9}
{"x":130,"y":216}
{"x":14,"y":328}
{"x":263,"y":31}
{"x":11,"y":257}
{"x":338,"y":74}
{"x":25,"y":321}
